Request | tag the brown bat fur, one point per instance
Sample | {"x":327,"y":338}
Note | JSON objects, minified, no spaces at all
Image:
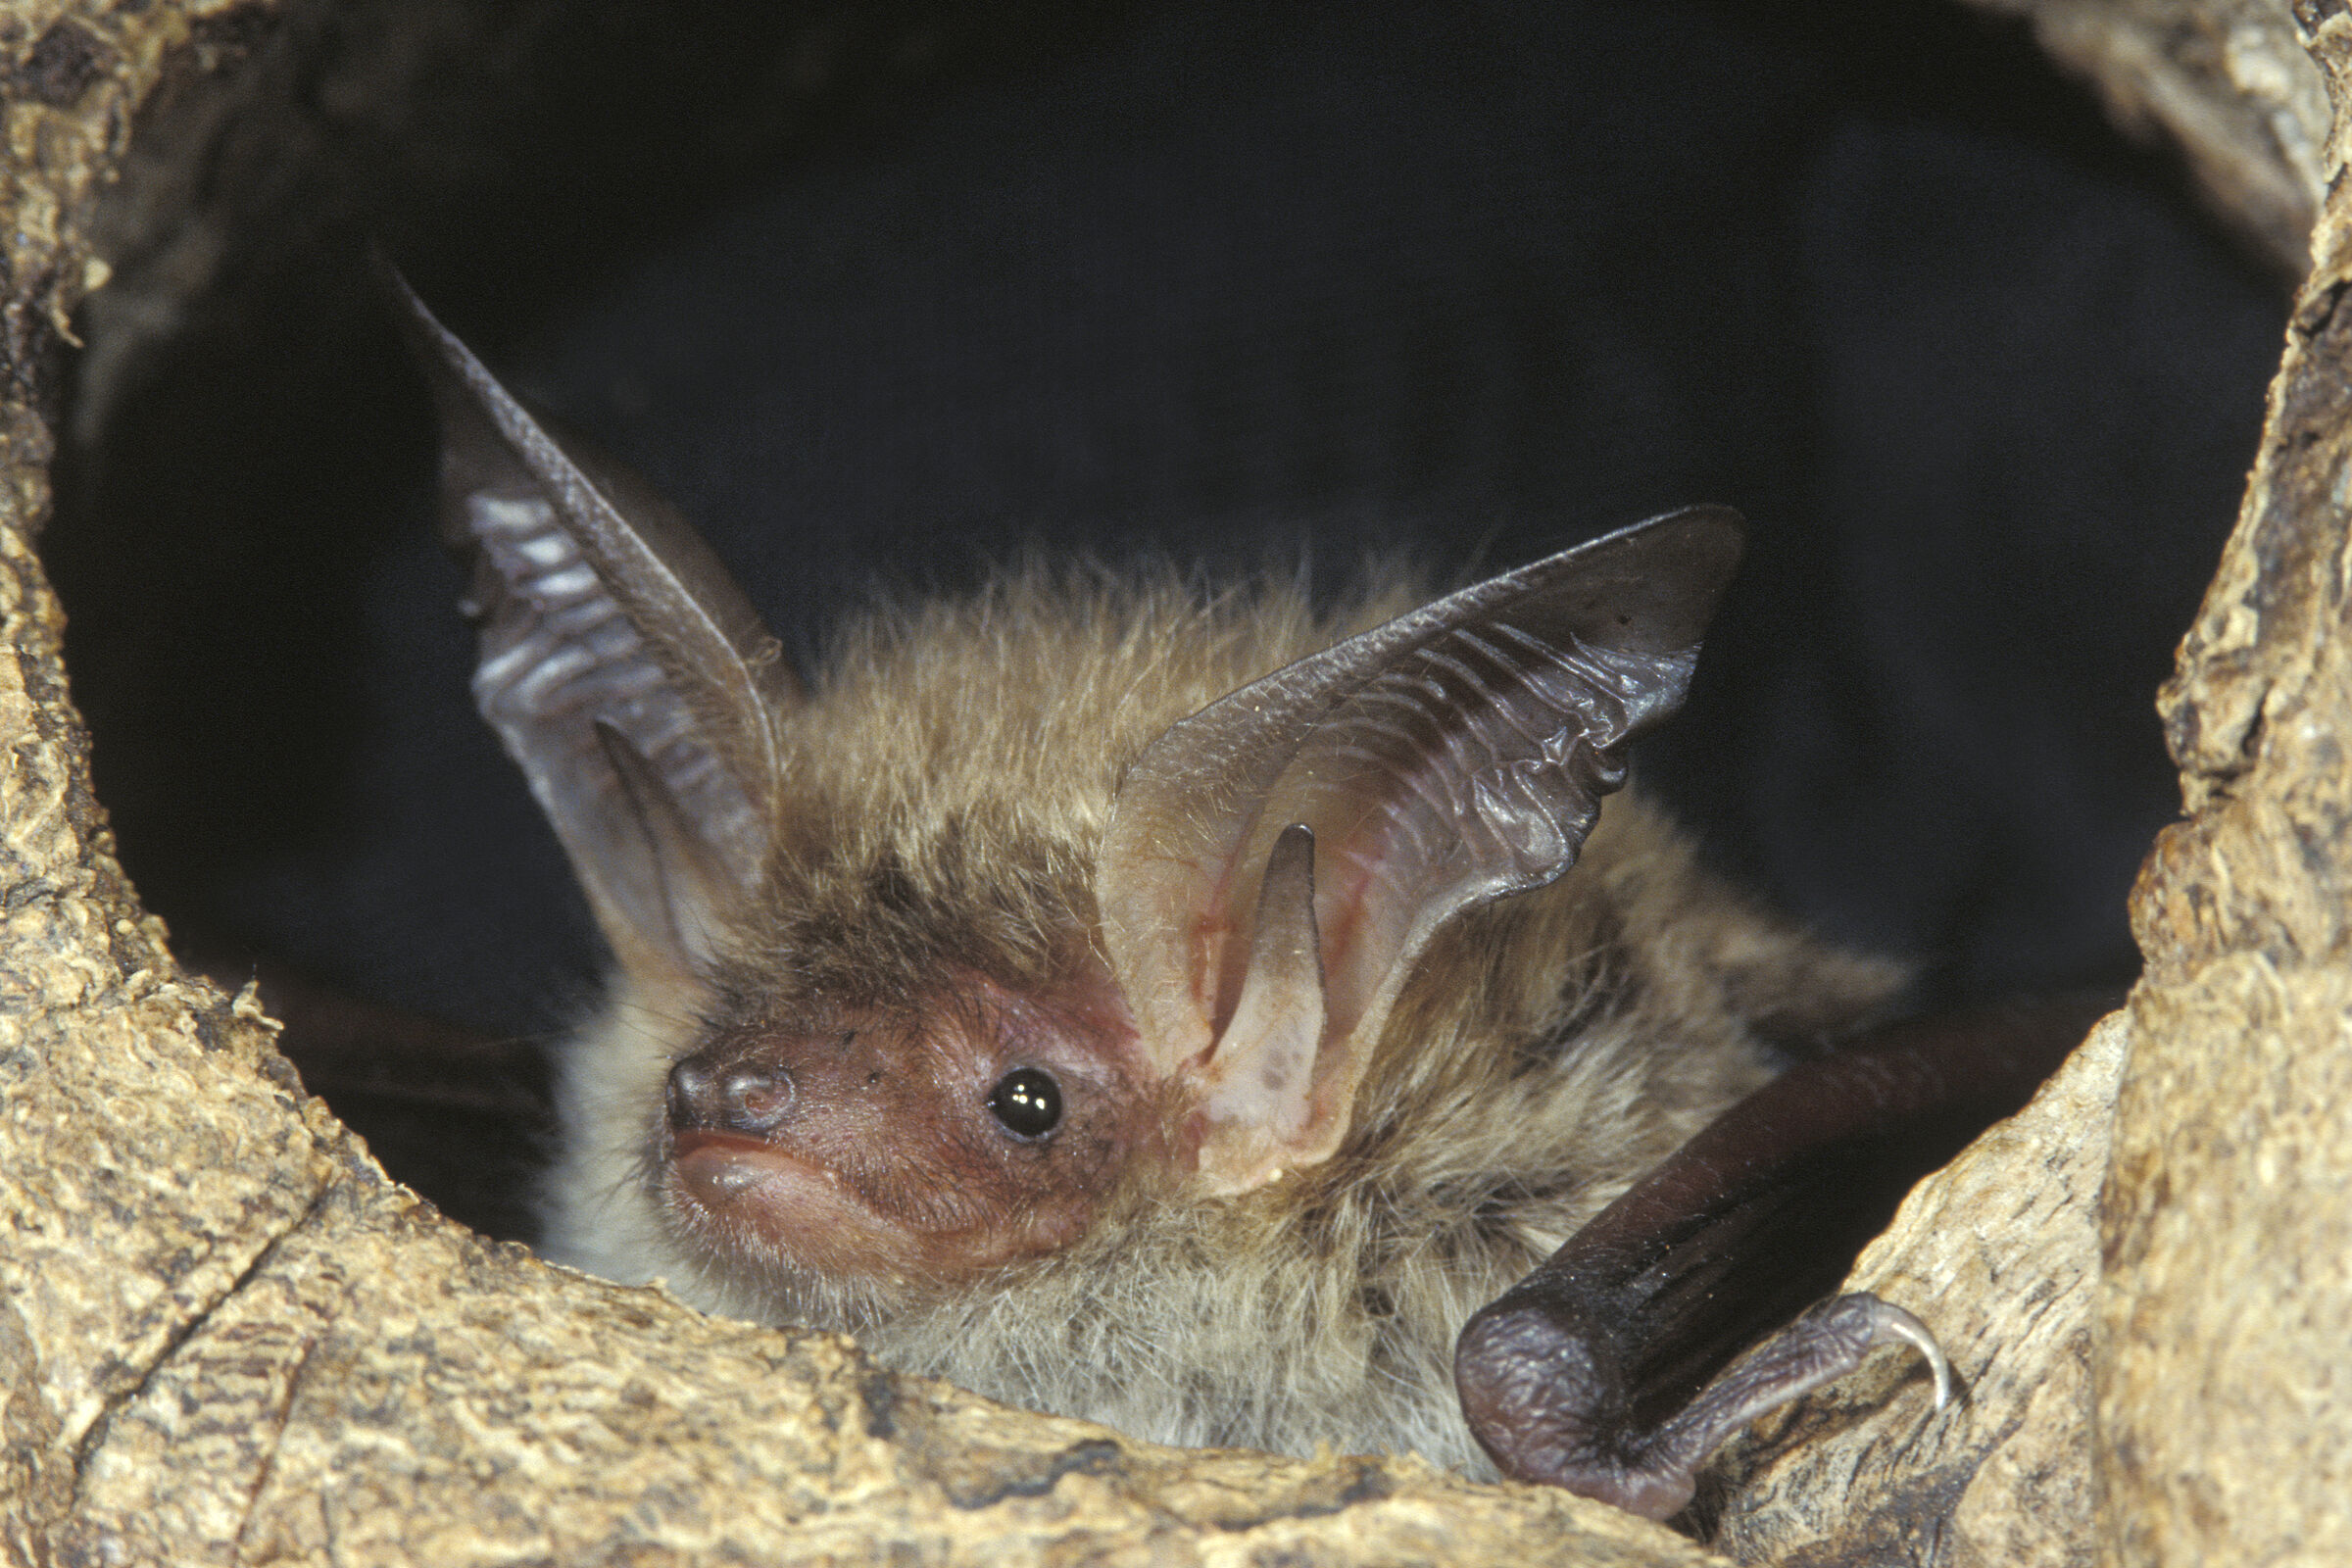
{"x":949,"y":780}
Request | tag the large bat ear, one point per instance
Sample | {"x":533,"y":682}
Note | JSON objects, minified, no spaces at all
{"x":1276,"y":862}
{"x":622,"y":667}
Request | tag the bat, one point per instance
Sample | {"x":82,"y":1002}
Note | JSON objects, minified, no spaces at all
{"x":1184,"y":1008}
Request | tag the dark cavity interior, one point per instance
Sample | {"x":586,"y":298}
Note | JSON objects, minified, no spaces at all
{"x":886,"y":294}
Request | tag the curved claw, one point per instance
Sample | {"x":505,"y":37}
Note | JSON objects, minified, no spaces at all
{"x":1894,"y":1323}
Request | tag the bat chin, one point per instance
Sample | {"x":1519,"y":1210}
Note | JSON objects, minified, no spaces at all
{"x":744,"y":1196}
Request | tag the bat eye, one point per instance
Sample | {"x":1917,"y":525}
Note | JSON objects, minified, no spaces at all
{"x":1027,"y":1101}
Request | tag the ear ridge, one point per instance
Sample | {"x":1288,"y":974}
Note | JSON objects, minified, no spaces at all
{"x":1453,"y":756}
{"x":598,"y":608}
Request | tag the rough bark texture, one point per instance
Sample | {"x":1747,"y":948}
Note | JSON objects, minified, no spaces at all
{"x":224,"y":1336}
{"x":2224,"y":1402}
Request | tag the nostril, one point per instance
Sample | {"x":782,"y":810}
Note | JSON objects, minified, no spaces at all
{"x":707,"y":1094}
{"x":691,"y":1097}
{"x":752,"y":1100}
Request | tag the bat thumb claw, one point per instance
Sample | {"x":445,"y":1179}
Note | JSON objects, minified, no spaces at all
{"x":1890,"y":1323}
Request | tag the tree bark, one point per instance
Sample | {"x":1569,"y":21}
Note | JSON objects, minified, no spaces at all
{"x":224,"y":1336}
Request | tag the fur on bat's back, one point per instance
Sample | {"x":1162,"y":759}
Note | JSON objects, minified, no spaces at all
{"x":948,"y":784}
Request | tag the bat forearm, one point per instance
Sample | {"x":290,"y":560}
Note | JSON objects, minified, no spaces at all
{"x":1589,"y":1373}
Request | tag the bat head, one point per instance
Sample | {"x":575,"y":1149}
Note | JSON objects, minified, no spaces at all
{"x":867,"y":1080}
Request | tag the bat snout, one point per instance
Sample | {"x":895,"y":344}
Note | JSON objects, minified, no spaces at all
{"x":749,"y":1097}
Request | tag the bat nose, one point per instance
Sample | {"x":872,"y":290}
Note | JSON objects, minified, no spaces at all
{"x":740,"y":1097}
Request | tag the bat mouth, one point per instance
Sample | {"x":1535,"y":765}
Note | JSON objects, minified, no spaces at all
{"x":723,"y":1172}
{"x":727,"y":1184}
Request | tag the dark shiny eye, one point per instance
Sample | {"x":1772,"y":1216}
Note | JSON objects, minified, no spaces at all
{"x":1026,"y":1102}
